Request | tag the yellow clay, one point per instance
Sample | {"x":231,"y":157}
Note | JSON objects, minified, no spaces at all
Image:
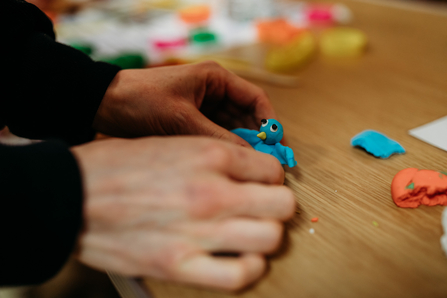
{"x":343,"y":42}
{"x":293,"y":55}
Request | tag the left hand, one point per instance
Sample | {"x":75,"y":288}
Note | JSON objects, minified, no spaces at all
{"x":198,"y":99}
{"x":161,"y":207}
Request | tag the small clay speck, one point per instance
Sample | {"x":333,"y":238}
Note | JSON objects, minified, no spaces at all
{"x":410,"y":186}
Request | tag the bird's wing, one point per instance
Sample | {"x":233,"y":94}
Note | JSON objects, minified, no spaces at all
{"x":285,"y":155}
{"x":248,"y":134}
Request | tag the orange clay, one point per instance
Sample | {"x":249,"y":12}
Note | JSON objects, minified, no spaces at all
{"x":412,"y":187}
{"x":315,"y":219}
{"x":195,"y":14}
{"x":277,"y":31}
{"x":51,"y":15}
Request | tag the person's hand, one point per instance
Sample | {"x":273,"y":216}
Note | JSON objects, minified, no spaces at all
{"x":199,"y":99}
{"x":161,"y":207}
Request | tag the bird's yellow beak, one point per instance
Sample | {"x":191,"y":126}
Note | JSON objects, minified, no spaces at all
{"x":262,"y":135}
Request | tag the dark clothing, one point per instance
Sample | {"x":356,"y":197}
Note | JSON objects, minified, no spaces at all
{"x":48,"y":91}
{"x":40,"y":211}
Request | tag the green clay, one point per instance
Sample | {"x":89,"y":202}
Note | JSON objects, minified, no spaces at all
{"x":85,"y":48}
{"x":203,"y":37}
{"x":126,"y":61}
{"x":411,"y":186}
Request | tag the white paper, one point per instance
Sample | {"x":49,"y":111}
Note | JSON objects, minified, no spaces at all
{"x":434,"y":133}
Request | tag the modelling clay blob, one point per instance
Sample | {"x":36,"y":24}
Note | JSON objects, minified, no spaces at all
{"x":444,"y":225}
{"x":203,"y":37}
{"x":126,"y":60}
{"x":327,"y":14}
{"x":169,"y":44}
{"x":319,"y":13}
{"x":53,"y":16}
{"x":195,"y":14}
{"x":278,"y":31}
{"x":85,"y":48}
{"x":343,"y":42}
{"x":377,"y":144}
{"x":412,"y":187}
{"x":267,"y":140}
{"x":293,"y":55}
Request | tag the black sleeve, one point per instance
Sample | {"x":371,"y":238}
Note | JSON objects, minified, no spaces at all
{"x":40,"y":211}
{"x":47,"y":90}
{"x":50,"y":90}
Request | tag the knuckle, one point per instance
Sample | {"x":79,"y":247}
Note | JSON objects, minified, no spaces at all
{"x":263,"y":93}
{"x":166,"y":264}
{"x":217,"y":155}
{"x":203,"y":199}
{"x":289,"y":203}
{"x":210,"y":64}
{"x":275,"y":236}
{"x":278,"y":173}
{"x":240,"y":278}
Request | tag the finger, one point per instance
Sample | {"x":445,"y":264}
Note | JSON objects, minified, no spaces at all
{"x":224,"y":273}
{"x":220,"y":199}
{"x":243,"y":94}
{"x":275,"y":202}
{"x":243,"y":164}
{"x":201,"y":125}
{"x":223,"y":83}
{"x":236,"y":235}
{"x":239,"y":90}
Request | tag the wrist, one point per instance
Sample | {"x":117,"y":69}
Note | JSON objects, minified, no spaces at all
{"x":107,"y":117}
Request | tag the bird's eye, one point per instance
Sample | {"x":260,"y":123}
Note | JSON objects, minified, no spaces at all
{"x":264,"y":122}
{"x":274,"y":128}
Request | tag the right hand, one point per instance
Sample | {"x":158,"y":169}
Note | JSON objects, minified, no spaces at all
{"x":160,"y":207}
{"x":192,"y":99}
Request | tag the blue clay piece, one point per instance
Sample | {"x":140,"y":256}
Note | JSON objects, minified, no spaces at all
{"x":377,"y":144}
{"x":267,"y":140}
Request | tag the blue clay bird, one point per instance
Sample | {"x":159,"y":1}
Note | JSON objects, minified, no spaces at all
{"x":267,"y":140}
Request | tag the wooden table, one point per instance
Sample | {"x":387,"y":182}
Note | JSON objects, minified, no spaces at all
{"x":399,"y":84}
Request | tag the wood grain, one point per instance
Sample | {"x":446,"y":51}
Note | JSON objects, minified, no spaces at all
{"x":399,"y":84}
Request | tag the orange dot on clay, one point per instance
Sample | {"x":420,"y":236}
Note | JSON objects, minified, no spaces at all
{"x":315,"y":219}
{"x":195,"y":14}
